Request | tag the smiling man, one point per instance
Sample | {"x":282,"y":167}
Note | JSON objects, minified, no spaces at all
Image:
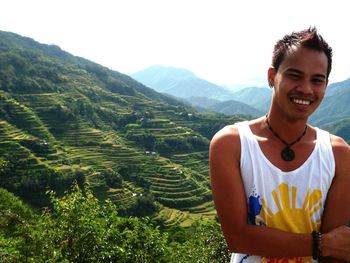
{"x":280,"y":186}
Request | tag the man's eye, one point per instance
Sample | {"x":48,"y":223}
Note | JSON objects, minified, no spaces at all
{"x":318,"y":81}
{"x":294,"y":76}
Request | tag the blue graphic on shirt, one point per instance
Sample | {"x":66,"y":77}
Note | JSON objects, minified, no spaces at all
{"x":254,"y":208}
{"x":244,"y":258}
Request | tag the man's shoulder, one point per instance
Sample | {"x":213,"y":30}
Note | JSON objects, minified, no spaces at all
{"x":339,"y":145}
{"x":228,"y":132}
{"x":226,"y":140}
{"x":225,"y":146}
{"x":337,"y":142}
{"x":341,"y":151}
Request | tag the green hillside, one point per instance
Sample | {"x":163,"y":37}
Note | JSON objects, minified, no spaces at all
{"x":64,"y":119}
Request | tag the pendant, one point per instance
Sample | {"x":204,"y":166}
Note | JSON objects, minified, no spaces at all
{"x":287,"y":154}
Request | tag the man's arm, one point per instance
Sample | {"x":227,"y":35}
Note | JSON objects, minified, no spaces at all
{"x":231,"y":205}
{"x":337,"y":209}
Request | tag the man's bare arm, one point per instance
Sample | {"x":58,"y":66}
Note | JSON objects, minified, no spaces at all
{"x":337,"y":209}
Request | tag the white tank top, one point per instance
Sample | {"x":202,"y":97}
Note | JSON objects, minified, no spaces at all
{"x":291,"y":201}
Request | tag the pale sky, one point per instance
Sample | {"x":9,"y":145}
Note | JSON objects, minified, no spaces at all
{"x":222,"y":41}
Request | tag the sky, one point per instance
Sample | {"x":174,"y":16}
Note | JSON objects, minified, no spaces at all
{"x":227,"y":42}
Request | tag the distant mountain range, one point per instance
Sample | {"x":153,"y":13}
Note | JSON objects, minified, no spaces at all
{"x":202,"y":94}
{"x":334,"y":108}
{"x":333,"y":114}
{"x":180,"y":83}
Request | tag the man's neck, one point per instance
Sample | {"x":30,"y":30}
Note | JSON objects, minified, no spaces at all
{"x":287,"y":128}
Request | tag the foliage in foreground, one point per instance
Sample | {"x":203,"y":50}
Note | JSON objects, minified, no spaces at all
{"x":78,"y":228}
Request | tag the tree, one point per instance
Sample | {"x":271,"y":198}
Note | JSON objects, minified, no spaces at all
{"x":202,"y":242}
{"x":16,"y":221}
{"x":145,"y":205}
{"x":80,"y":229}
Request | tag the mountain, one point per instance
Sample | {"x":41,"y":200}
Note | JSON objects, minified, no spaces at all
{"x":228,"y":107}
{"x":232,"y":107}
{"x":201,"y":102}
{"x":337,"y":87}
{"x":334,"y":108}
{"x":258,"y":98}
{"x":340,"y":128}
{"x":180,"y":83}
{"x":250,"y":82}
{"x":201,"y":94}
{"x":65,"y":119}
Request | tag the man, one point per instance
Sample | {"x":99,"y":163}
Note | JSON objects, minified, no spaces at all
{"x":280,"y":186}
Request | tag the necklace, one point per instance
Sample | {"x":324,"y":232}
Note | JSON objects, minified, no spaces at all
{"x":287,"y":153}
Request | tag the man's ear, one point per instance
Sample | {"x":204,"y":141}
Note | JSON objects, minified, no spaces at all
{"x":271,"y":76}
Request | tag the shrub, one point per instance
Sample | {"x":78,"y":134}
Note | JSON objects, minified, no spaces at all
{"x":80,"y":229}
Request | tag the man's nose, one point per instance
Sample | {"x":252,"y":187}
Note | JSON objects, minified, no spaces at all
{"x":305,"y":87}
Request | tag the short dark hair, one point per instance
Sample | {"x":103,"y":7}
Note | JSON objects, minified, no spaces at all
{"x":308,"y":38}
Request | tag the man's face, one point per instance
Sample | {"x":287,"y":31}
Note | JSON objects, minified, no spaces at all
{"x":300,"y":82}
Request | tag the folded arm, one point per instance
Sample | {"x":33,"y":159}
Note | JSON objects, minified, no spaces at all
{"x":336,"y":215}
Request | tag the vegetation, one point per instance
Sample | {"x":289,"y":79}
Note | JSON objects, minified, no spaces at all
{"x":65,"y":120}
{"x":78,"y":228}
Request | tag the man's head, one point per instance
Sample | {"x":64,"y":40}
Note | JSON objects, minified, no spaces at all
{"x":308,"y":38}
{"x":301,"y":65}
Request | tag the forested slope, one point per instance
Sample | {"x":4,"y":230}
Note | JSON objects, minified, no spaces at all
{"x":65,"y":119}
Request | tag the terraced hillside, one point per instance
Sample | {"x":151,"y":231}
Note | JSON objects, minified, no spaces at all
{"x":66,"y":119}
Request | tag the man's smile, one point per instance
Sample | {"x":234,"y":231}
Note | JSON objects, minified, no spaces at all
{"x":301,"y":101}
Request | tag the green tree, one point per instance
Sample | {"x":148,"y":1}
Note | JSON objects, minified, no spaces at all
{"x":80,"y":229}
{"x":145,"y":205}
{"x":201,"y":243}
{"x":16,"y":221}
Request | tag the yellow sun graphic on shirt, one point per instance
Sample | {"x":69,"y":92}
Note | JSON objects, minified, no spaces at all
{"x":291,"y":218}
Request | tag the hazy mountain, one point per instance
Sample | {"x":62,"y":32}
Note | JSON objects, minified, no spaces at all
{"x":202,"y":94}
{"x":258,"y":98}
{"x":232,"y":107}
{"x":259,"y":82}
{"x":228,"y":107}
{"x":180,"y":83}
{"x":337,"y":87}
{"x":340,"y":128}
{"x":253,"y":101}
{"x":335,"y":105}
{"x":201,"y":102}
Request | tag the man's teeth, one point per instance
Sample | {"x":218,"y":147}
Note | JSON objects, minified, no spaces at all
{"x":303,"y":102}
